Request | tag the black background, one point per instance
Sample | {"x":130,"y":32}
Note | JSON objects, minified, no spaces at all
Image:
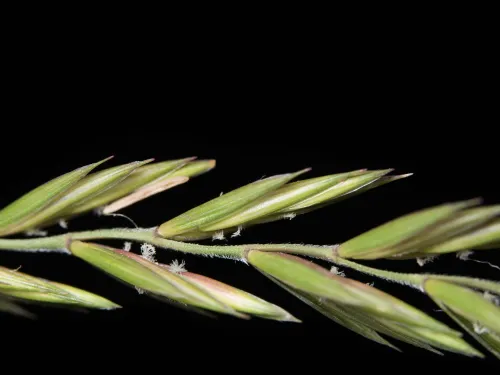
{"x":260,"y":111}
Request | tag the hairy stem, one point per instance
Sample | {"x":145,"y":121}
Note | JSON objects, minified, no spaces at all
{"x":416,"y":280}
{"x":411,"y":279}
{"x":59,"y":244}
